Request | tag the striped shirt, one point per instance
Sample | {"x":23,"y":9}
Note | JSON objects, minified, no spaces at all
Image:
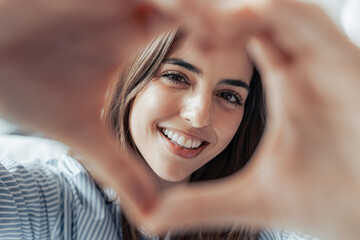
{"x":55,"y":198}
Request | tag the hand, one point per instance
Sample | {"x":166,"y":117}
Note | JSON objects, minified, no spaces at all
{"x":56,"y":60}
{"x":305,"y":173}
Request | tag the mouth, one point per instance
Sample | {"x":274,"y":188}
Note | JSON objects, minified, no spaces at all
{"x":182,"y":145}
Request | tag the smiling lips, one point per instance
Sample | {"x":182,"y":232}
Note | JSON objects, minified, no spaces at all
{"x":180,"y":145}
{"x":181,"y":140}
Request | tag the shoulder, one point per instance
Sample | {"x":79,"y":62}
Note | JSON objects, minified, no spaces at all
{"x":271,"y":234}
{"x":56,"y":194}
{"x":30,"y":162}
{"x":29,"y":188}
{"x":296,"y":235}
{"x":23,"y":165}
{"x":283,"y":234}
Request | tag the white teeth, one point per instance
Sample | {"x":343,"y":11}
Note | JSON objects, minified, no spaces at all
{"x":175,"y":137}
{"x":188,"y":143}
{"x":195,"y":144}
{"x":170,"y":134}
{"x":180,"y":140}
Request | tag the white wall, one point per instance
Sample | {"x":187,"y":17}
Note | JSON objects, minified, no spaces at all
{"x":332,"y":7}
{"x":346,"y":15}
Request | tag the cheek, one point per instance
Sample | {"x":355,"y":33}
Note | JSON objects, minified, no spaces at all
{"x":151,"y":105}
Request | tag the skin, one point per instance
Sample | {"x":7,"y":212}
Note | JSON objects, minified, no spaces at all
{"x":198,"y":105}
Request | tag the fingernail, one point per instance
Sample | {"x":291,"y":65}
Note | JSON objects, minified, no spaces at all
{"x":252,"y":46}
{"x":165,"y":4}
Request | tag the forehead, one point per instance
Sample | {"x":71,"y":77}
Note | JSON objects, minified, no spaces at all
{"x":230,"y":61}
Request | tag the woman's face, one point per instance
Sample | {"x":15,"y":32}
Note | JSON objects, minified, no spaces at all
{"x":191,"y":109}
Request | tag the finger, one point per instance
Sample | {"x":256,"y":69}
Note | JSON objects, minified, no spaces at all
{"x":266,"y":54}
{"x":113,"y":166}
{"x":272,"y":61}
{"x":206,"y":22}
{"x":297,"y":26}
{"x":141,"y":23}
{"x":226,"y":203}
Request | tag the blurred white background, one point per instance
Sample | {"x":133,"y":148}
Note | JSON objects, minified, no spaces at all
{"x":6,"y":127}
{"x":345,"y":14}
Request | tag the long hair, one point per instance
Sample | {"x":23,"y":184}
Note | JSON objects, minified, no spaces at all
{"x":134,"y":77}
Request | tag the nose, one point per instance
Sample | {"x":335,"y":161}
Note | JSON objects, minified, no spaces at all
{"x":197,"y":111}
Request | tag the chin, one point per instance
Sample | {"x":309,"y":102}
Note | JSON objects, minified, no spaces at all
{"x":172,"y":177}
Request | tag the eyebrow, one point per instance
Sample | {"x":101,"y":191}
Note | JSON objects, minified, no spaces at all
{"x":194,"y":69}
{"x":182,"y":63}
{"x":236,"y":83}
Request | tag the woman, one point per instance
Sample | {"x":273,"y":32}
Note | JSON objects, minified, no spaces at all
{"x":189,"y":120}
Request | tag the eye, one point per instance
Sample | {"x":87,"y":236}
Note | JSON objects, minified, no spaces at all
{"x":175,"y":77}
{"x":231,"y":97}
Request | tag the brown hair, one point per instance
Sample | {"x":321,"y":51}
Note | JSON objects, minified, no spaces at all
{"x":135,"y":76}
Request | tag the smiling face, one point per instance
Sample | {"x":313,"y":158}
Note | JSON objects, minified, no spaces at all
{"x":191,"y":109}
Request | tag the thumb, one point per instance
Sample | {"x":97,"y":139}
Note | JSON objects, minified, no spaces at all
{"x":272,"y":62}
{"x":112,"y":165}
{"x":225,"y":203}
{"x":267,"y":55}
